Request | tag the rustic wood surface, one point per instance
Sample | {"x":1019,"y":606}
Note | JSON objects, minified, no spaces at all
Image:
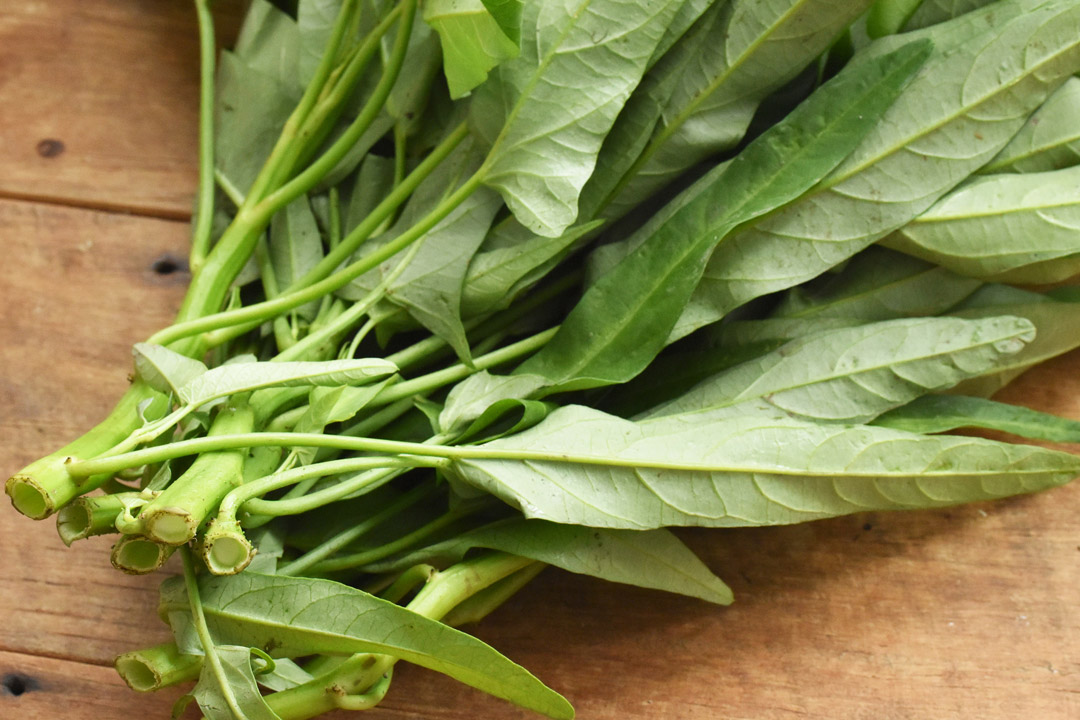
{"x":965,"y":613}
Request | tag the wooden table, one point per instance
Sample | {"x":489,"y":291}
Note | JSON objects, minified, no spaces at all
{"x":966,"y":613}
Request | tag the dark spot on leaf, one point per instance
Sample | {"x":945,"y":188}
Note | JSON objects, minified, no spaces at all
{"x":271,"y":645}
{"x":17,"y":683}
{"x":50,"y":148}
{"x":168,"y":264}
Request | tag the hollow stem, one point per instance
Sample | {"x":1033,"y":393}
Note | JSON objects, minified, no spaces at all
{"x":156,"y":667}
{"x":89,"y":516}
{"x":175,"y":515}
{"x":44,"y":486}
{"x":138,"y":555}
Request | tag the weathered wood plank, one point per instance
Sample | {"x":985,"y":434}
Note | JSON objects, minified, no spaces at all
{"x":100,"y":101}
{"x":36,"y":688}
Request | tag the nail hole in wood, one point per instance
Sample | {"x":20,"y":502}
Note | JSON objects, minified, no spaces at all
{"x":50,"y":147}
{"x":168,"y":264}
{"x":16,"y":684}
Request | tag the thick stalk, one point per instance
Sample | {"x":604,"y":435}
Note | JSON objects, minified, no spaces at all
{"x":44,"y":486}
{"x":89,"y":516}
{"x":174,"y":516}
{"x":156,"y":667}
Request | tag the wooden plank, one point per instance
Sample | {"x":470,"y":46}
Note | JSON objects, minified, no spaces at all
{"x":100,"y":100}
{"x":35,"y":688}
{"x":77,"y":288}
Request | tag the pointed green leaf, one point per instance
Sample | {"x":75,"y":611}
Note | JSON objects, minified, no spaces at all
{"x":1050,"y":140}
{"x":987,"y":73}
{"x":472,"y":42}
{"x":291,"y":617}
{"x":877,"y":284}
{"x":507,"y":14}
{"x":942,"y":413}
{"x":624,"y":317}
{"x":1057,"y":331}
{"x":753,"y":49}
{"x":855,"y":374}
{"x":653,"y":559}
{"x":471,"y":397}
{"x":496,"y":276}
{"x":163,"y":369}
{"x":1010,"y":228}
{"x":245,"y":377}
{"x":742,"y":467}
{"x":547,"y":111}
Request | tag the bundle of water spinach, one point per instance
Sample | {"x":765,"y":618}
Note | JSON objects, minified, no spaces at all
{"x":481,"y":286}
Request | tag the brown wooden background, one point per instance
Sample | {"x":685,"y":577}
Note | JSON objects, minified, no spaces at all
{"x":966,"y":613}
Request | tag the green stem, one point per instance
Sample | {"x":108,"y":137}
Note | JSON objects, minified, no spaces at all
{"x":310,"y":177}
{"x":440,"y":378}
{"x":45,"y":486}
{"x":253,"y":315}
{"x":351,"y":534}
{"x":207,"y":642}
{"x":200,"y":237}
{"x":175,"y":515}
{"x":366,"y":557}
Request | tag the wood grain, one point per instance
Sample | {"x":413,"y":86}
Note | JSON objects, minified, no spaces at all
{"x":100,"y":101}
{"x":951,"y":615}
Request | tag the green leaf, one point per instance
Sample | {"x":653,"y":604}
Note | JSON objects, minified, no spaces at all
{"x":507,"y":13}
{"x":328,"y":405}
{"x":285,"y":675}
{"x":471,"y":397}
{"x":887,"y":17}
{"x":295,"y":247}
{"x":411,"y":92}
{"x":1050,"y":140}
{"x":236,"y":666}
{"x":546,"y":112}
{"x":497,"y":276}
{"x":244,"y":377}
{"x":931,"y":12}
{"x":746,"y":466}
{"x":163,"y":369}
{"x":291,"y":617}
{"x":624,"y":317}
{"x":431,"y":285}
{"x":1057,"y":331}
{"x":472,"y":42}
{"x":942,"y":413}
{"x":270,"y":44}
{"x":1009,"y":228}
{"x":251,"y":108}
{"x":987,"y":73}
{"x":315,"y":20}
{"x":653,"y":559}
{"x":752,"y":50}
{"x":855,"y":374}
{"x":877,"y":284}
